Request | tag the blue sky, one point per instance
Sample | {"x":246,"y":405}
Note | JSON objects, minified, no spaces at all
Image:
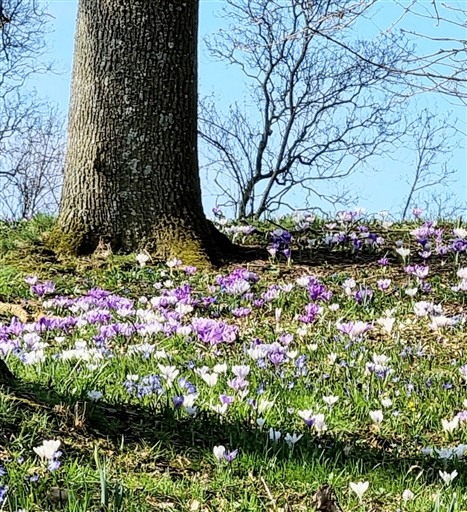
{"x":379,"y":191}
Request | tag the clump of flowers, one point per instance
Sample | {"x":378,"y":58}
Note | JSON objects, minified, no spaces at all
{"x":49,"y":451}
{"x":281,"y":240}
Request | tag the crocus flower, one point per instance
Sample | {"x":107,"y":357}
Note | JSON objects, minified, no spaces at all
{"x":404,"y":252}
{"x":169,"y":373}
{"x":219,"y":452}
{"x":386,"y":323}
{"x":330,"y":400}
{"x":319,"y":423}
{"x":230,"y":456}
{"x":359,"y":488}
{"x":377,"y":416}
{"x":3,"y":493}
{"x":450,"y":425}
{"x":274,"y":435}
{"x":142,"y":259}
{"x":95,"y":396}
{"x":47,"y":450}
{"x":291,"y":440}
{"x":307,"y":416}
{"x":241,"y":371}
{"x":448,"y":477}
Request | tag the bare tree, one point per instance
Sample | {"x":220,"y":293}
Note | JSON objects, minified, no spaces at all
{"x":23,"y":27}
{"x":434,"y":138}
{"x":317,"y":112}
{"x":443,"y":67}
{"x":31,"y":133}
{"x":31,"y":167}
{"x":438,"y":206}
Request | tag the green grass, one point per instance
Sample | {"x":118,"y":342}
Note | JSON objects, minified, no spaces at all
{"x":140,"y":452}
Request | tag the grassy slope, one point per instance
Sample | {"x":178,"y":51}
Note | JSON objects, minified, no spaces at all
{"x":162,"y":457}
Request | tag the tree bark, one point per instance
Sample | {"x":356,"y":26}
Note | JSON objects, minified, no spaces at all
{"x":131,"y":172}
{"x":6,"y":377}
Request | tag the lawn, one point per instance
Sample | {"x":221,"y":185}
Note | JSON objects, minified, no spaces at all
{"x":327,"y":371}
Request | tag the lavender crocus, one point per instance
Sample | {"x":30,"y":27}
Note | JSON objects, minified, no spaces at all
{"x":230,"y":456}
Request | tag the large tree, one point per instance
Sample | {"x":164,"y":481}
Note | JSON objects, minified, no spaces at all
{"x":131,"y":172}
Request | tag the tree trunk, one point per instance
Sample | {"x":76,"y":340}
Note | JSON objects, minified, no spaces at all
{"x":131,"y":172}
{"x":6,"y":377}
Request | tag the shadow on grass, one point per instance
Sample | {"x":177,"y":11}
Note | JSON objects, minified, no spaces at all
{"x":82,"y":423}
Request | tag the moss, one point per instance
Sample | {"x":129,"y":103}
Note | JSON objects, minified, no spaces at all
{"x":172,"y":239}
{"x":62,"y":243}
{"x":190,"y":252}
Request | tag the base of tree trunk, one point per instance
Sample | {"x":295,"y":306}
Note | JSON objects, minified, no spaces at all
{"x":196,"y":242}
{"x":6,"y":377}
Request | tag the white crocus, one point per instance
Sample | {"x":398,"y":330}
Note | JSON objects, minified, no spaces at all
{"x":142,"y":259}
{"x":330,"y":400}
{"x":203,"y":370}
{"x":386,"y":324}
{"x":359,"y":488}
{"x":460,"y":232}
{"x":183,"y":309}
{"x":220,"y":368}
{"x":438,"y":322}
{"x":47,"y":449}
{"x":450,"y":425}
{"x":460,"y":450}
{"x":448,"y":477}
{"x":95,"y":396}
{"x":189,"y":400}
{"x":219,"y":452}
{"x":264,"y":405}
{"x":377,"y":416}
{"x":291,"y":440}
{"x":220,"y":408}
{"x":332,"y":357}
{"x":403,"y":251}
{"x":169,"y":373}
{"x":210,"y":378}
{"x":411,"y":292}
{"x":274,"y":435}
{"x":386,"y":402}
{"x":320,"y":424}
{"x":407,"y":495}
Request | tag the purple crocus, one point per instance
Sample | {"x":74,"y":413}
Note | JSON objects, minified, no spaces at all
{"x":238,"y":384}
{"x":311,"y":312}
{"x":230,"y":456}
{"x":177,"y":401}
{"x":41,"y":289}
{"x":3,"y":493}
{"x":241,"y":312}
{"x":226,"y":399}
{"x":363,"y":295}
{"x":384,"y":284}
{"x":31,"y":280}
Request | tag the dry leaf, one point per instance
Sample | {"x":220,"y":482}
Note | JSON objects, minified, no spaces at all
{"x":325,"y":499}
{"x":57,"y":494}
{"x":194,"y":505}
{"x":103,"y":250}
{"x":165,"y":506}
